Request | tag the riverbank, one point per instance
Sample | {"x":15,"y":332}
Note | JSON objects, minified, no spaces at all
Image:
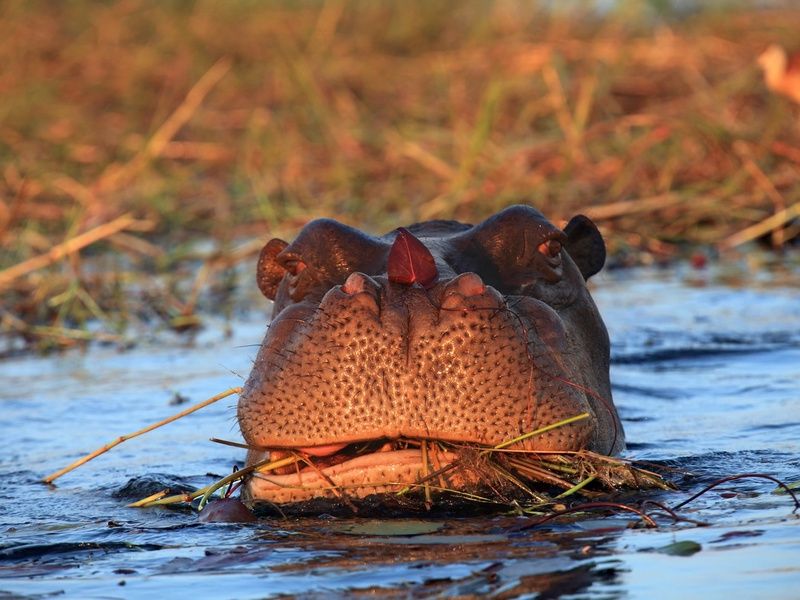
{"x":148,"y":150}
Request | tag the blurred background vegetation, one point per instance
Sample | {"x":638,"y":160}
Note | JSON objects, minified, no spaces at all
{"x":149,"y":149}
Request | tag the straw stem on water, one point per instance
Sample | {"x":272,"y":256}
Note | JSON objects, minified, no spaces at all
{"x":103,"y":449}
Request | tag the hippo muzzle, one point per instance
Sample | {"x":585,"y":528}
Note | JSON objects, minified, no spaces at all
{"x":380,"y":348}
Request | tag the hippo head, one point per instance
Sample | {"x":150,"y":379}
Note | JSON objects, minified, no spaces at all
{"x":438,"y":335}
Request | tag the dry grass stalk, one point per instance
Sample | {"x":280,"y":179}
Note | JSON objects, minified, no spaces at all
{"x":204,"y":493}
{"x":115,"y":176}
{"x":772,"y":223}
{"x":123,"y":438}
{"x":65,"y":248}
{"x":574,"y":473}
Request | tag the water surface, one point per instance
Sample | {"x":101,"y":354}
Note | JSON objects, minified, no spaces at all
{"x":706,"y":376}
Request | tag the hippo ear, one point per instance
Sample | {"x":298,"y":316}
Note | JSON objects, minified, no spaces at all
{"x":585,"y":245}
{"x":268,"y":272}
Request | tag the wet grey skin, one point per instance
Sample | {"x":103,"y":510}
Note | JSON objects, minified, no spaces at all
{"x":472,"y":334}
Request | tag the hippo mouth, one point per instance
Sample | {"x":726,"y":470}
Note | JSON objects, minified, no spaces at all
{"x":355,"y":470}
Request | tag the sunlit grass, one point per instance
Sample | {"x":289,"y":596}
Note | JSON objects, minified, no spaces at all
{"x":219,"y":125}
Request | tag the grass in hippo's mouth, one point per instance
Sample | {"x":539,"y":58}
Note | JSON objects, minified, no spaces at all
{"x":500,"y":475}
{"x":495,"y":475}
{"x":501,"y":472}
{"x":518,"y":479}
{"x":543,"y":477}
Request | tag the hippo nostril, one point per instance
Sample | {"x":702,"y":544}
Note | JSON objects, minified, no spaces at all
{"x":466,"y":285}
{"x":355,"y":283}
{"x":363,"y":290}
{"x":469,"y":284}
{"x":358,"y":283}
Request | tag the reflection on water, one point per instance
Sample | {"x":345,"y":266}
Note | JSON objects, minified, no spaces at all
{"x":707,"y":377}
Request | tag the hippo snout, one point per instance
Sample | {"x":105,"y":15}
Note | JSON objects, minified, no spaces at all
{"x":440,"y":332}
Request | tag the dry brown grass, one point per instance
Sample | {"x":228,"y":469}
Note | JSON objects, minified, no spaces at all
{"x":231,"y":122}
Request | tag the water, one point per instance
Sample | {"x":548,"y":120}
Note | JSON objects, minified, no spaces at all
{"x":706,"y":376}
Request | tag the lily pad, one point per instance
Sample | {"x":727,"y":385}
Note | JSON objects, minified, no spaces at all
{"x":792,"y":485}
{"x":377,"y":527}
{"x":685,"y":548}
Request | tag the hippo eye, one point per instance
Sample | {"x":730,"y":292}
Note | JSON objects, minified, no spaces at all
{"x":550,"y":248}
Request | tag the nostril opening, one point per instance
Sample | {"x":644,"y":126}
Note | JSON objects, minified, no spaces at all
{"x":469,"y":284}
{"x":362,"y":291}
{"x":466,"y":285}
{"x":355,"y":284}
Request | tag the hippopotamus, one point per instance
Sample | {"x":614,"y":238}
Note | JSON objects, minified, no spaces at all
{"x":437,"y":336}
